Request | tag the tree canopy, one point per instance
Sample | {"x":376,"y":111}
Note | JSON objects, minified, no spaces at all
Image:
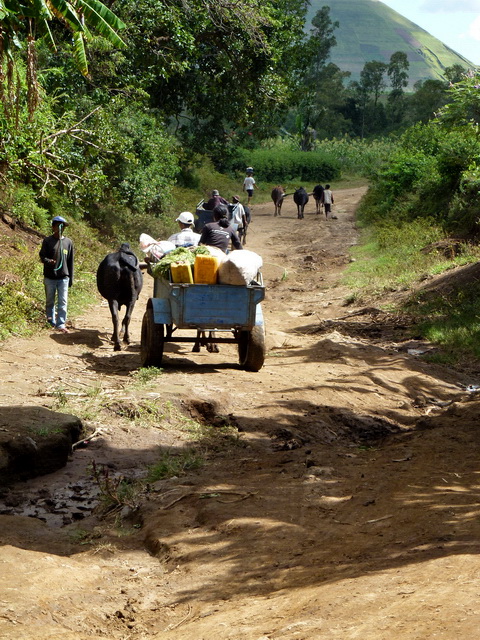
{"x":206,"y":75}
{"x":112,"y":101}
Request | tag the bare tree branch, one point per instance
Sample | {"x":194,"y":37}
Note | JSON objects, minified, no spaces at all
{"x":54,"y":136}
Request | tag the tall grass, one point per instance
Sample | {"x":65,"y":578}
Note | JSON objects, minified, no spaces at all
{"x":451,"y":320}
{"x":390,"y":259}
{"x":278,"y":164}
{"x":354,"y":156}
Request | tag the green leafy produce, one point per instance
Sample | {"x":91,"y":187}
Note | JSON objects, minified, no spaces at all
{"x":178,"y":256}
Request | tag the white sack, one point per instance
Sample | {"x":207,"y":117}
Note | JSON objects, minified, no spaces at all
{"x":155,"y":249}
{"x":217,"y":253}
{"x":240,"y":267}
{"x":145,"y":241}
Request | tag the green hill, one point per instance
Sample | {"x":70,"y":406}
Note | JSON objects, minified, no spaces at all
{"x":369,"y":30}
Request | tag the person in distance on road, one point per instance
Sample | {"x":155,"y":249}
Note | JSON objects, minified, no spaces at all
{"x":327,"y":201}
{"x":249,"y":184}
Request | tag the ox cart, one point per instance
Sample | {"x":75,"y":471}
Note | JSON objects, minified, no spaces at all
{"x":233,"y":313}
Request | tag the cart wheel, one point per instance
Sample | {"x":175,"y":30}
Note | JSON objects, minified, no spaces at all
{"x":242,"y":343}
{"x":151,"y":347}
{"x":251,"y":348}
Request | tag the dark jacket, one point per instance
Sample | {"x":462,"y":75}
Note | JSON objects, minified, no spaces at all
{"x":61,"y":250}
{"x":212,"y":203}
{"x":214,"y":235}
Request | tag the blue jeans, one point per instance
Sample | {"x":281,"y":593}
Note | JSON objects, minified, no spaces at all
{"x":56,"y":316}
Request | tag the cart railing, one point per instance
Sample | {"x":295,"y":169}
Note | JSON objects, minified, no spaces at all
{"x":207,"y":306}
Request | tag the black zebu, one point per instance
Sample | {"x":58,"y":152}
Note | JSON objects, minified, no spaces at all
{"x":318,"y":196}
{"x":120,"y":280}
{"x":300,"y":197}
{"x":278,"y":194}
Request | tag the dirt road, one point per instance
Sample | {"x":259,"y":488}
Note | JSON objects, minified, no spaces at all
{"x":344,"y":504}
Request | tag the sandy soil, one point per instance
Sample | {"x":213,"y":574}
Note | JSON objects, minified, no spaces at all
{"x":347,"y":507}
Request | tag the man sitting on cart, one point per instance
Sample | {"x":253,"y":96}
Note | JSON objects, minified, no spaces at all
{"x":219,"y":233}
{"x":215,"y":200}
{"x":186,"y":237}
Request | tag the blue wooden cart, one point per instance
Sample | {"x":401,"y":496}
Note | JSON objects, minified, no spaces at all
{"x":234,"y":313}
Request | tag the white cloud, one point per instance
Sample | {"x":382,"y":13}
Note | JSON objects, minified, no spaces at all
{"x":435,"y":6}
{"x":474,"y":29}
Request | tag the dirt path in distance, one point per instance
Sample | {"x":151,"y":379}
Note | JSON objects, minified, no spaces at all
{"x":348,"y":506}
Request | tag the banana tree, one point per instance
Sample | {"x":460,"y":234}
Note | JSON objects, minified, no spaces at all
{"x":23,"y":21}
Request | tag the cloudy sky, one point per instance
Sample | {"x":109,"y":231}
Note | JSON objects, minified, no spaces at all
{"x":454,"y":22}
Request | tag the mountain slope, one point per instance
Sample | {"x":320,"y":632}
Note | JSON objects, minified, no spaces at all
{"x":369,"y":30}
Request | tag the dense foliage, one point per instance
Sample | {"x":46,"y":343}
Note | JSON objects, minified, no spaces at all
{"x":435,"y":171}
{"x":113,"y":129}
{"x":219,"y":70}
{"x":110,"y":131}
{"x":280,"y":165}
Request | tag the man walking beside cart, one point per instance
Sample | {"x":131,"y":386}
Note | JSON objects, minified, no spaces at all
{"x":239,"y":219}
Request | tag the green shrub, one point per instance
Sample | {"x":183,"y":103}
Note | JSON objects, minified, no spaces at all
{"x":120,"y":224}
{"x":280,"y":166}
{"x":403,"y":173}
{"x":433,"y":174}
{"x":356,"y":156}
{"x":456,"y":153}
{"x":141,"y":164}
{"x":188,"y":177}
{"x":26,"y":208}
{"x":464,"y":209}
{"x":21,"y":301}
{"x":352,"y":156}
{"x":422,"y":138}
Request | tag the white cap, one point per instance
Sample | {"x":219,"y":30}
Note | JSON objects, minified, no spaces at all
{"x":186,"y":217}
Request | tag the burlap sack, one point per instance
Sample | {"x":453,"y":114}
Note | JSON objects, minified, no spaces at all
{"x":240,"y":268}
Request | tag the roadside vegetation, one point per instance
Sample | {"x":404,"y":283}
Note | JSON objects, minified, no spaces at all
{"x":421,"y":218}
